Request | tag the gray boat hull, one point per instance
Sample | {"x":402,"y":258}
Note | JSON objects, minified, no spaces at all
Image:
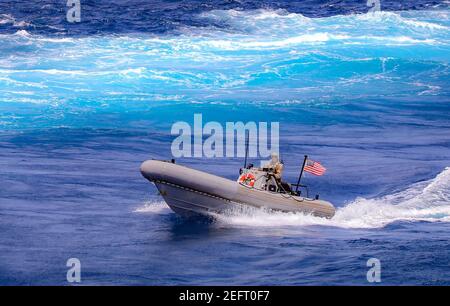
{"x":190,"y":203}
{"x":191,"y":192}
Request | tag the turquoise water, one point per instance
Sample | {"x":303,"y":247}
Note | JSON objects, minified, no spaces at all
{"x":268,"y":59}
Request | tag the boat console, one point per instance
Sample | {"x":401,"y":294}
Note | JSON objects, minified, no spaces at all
{"x":263,"y":179}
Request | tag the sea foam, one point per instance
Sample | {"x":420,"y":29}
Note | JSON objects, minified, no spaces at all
{"x":424,"y":201}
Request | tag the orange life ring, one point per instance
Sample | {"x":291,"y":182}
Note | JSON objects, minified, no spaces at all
{"x":247,"y":179}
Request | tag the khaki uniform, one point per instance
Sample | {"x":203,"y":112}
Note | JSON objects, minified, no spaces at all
{"x":277,"y":169}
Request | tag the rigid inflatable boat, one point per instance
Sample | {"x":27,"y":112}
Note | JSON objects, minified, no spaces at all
{"x":190,"y":192}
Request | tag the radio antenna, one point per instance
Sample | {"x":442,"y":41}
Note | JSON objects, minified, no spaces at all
{"x":247,"y":133}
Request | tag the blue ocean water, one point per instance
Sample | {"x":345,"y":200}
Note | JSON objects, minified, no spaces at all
{"x":82,"y":105}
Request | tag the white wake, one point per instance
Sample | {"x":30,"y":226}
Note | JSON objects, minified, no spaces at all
{"x":424,"y":201}
{"x":154,"y":207}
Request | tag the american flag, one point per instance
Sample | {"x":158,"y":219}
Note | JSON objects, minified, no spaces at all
{"x":314,"y":167}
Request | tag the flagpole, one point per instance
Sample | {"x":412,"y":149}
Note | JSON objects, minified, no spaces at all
{"x":301,"y":173}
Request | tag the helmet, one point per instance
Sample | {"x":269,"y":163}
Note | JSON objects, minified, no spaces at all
{"x":274,"y":157}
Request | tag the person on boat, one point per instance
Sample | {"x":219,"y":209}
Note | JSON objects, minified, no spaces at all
{"x":275,"y":166}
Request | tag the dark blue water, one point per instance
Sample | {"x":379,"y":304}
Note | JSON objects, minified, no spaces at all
{"x":82,"y":105}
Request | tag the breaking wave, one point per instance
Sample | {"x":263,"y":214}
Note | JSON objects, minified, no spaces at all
{"x":258,"y":55}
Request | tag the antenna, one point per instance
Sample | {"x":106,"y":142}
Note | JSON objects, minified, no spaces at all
{"x":247,"y":135}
